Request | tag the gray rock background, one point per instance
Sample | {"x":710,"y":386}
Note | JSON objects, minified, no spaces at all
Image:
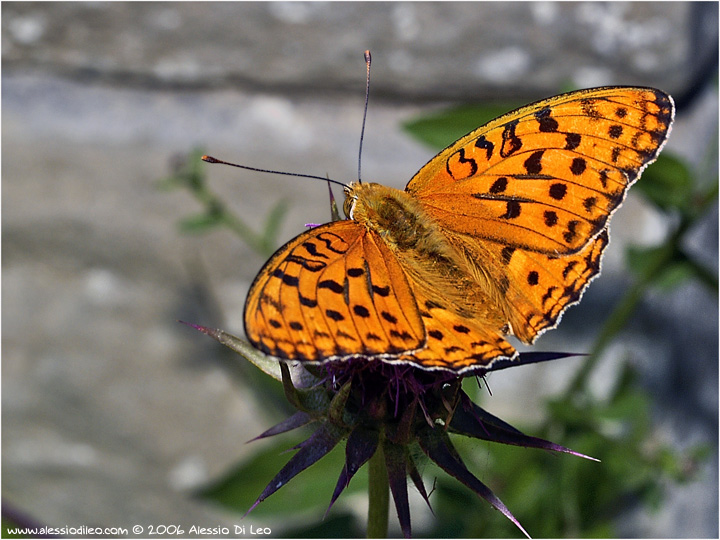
{"x":111,"y":410}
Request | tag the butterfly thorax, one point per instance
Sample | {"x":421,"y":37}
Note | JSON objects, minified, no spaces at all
{"x":421,"y":246}
{"x":398,"y":218}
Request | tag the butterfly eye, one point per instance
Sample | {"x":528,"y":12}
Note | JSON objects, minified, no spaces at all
{"x":348,"y":206}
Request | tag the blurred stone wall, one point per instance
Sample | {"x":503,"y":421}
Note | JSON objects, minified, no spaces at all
{"x":111,"y":410}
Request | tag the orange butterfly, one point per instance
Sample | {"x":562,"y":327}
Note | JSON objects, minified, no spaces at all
{"x":498,"y":234}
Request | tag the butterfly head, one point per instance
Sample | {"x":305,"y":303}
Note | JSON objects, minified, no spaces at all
{"x":350,"y":199}
{"x":354,"y":193}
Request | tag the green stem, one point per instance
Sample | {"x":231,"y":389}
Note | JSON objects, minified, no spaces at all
{"x":378,"y":496}
{"x":214,"y":206}
{"x":254,"y":240}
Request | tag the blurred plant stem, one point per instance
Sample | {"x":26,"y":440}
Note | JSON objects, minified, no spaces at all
{"x":378,"y":496}
{"x":189,"y":173}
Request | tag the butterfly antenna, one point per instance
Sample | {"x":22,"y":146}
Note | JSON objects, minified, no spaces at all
{"x":368,"y":60}
{"x":210,"y":159}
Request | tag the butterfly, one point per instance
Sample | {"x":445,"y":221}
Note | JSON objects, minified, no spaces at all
{"x":496,"y":235}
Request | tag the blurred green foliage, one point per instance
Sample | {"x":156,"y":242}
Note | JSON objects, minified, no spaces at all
{"x":551,"y":495}
{"x":189,"y":173}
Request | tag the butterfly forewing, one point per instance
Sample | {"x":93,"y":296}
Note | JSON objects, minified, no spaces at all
{"x":333,"y":291}
{"x":547,"y":176}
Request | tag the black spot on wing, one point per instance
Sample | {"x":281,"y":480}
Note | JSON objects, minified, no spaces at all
{"x":486,"y":145}
{"x":589,"y":203}
{"x":547,"y":123}
{"x":287,"y":279}
{"x":333,"y":242}
{"x":381,"y":291}
{"x":389,"y":317}
{"x":570,"y":234}
{"x":615,"y":131}
{"x":436,"y":334}
{"x":312,"y":249}
{"x":578,"y":166}
{"x":572,"y":141}
{"x":512,"y":210}
{"x":499,"y":185}
{"x":569,"y":268}
{"x":550,"y":217}
{"x":511,"y":142}
{"x":557,"y":191}
{"x":533,"y":164}
{"x":507,"y":253}
{"x":307,"y":264}
{"x":307,"y":302}
{"x":334,"y":315}
{"x":331,"y":285}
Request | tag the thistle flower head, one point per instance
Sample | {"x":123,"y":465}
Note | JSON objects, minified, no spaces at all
{"x":393,"y":409}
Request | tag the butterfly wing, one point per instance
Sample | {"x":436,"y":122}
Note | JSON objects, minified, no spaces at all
{"x":527,"y":197}
{"x":332,"y":292}
{"x":547,"y":176}
{"x":524,"y":201}
{"x":455,"y":342}
{"x":540,"y":286}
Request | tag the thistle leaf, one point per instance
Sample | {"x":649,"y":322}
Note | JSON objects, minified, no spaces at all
{"x":472,"y":421}
{"x":436,"y":444}
{"x":295,"y":421}
{"x":311,"y":450}
{"x":396,"y":463}
{"x":267,"y":364}
{"x":361,"y":446}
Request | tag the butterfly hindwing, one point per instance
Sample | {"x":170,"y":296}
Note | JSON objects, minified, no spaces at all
{"x":454,"y":341}
{"x":541,"y":286}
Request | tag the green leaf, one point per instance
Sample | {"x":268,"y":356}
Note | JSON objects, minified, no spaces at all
{"x":440,"y":129}
{"x":674,"y":275}
{"x":338,"y":526}
{"x":668,"y":183}
{"x":661,"y":266}
{"x":645,"y":261}
{"x":9,"y":524}
{"x":187,"y":172}
{"x":200,"y":223}
{"x":312,"y":489}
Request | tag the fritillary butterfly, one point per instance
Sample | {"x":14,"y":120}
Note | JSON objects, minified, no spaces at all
{"x":496,"y":235}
